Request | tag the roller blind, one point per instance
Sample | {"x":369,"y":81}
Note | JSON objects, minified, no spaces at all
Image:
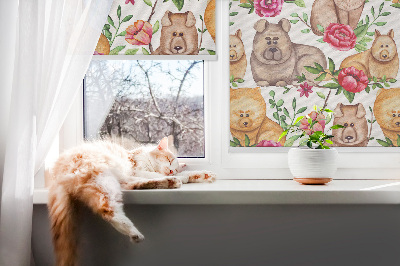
{"x":287,"y":56}
{"x":172,"y":29}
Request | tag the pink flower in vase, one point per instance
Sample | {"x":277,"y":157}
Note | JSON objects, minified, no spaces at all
{"x":268,"y":143}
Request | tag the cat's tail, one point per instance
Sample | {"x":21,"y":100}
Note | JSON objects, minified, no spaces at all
{"x":62,"y":212}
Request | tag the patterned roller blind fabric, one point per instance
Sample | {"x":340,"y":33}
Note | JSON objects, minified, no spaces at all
{"x":288,"y":56}
{"x":160,"y":27}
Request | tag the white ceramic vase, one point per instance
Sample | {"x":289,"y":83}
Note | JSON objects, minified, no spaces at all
{"x":311,"y":166}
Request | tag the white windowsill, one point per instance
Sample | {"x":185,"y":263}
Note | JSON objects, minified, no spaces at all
{"x":264,"y":192}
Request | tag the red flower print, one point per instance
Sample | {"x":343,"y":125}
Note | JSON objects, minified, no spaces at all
{"x":352,"y":79}
{"x":268,"y":143}
{"x":340,"y":36}
{"x":131,"y":1}
{"x":140,"y":33}
{"x":268,"y":8}
{"x":305,"y":89}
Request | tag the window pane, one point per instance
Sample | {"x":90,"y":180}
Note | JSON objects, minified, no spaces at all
{"x":143,"y":101}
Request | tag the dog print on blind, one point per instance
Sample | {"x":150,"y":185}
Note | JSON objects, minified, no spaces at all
{"x":340,"y":55}
{"x":157,"y":27}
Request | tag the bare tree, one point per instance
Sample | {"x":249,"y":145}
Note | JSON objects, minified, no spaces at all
{"x":145,"y":108}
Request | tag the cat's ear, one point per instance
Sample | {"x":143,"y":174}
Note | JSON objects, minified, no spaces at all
{"x":163,"y":145}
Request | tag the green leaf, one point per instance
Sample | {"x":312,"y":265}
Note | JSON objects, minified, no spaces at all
{"x":240,"y":80}
{"x":349,"y":95}
{"x":320,"y":28}
{"x":122,"y":33}
{"x":272,"y":93}
{"x":246,"y":140}
{"x":232,"y":78}
{"x":201,"y":17}
{"x":106,"y":27}
{"x":360,"y":47}
{"x":361,"y":30}
{"x":373,"y":11}
{"x":284,"y":133}
{"x":319,"y":67}
{"x":144,"y":51}
{"x":331,"y":85}
{"x":321,"y":77}
{"x":295,"y":15}
{"x":279,"y":103}
{"x":321,"y":40}
{"x":111,"y":21}
{"x":392,"y":80}
{"x":127,"y":18}
{"x":286,"y":112}
{"x":383,"y":143}
{"x":232,"y":144}
{"x":233,"y":13}
{"x":381,"y":7}
{"x":156,"y":26}
{"x":116,"y":50}
{"x":398,"y":140}
{"x":231,"y":23}
{"x":119,"y":11}
{"x":337,"y":126}
{"x":312,"y":70}
{"x":108,"y":34}
{"x":300,"y":3}
{"x":321,"y":95}
{"x":301,"y":110}
{"x":148,"y":2}
{"x":305,"y":31}
{"x":294,"y":21}
{"x":329,"y":141}
{"x":234,"y":84}
{"x":245,"y":5}
{"x":289,"y":142}
{"x":331,"y":65}
{"x":389,"y":141}
{"x":396,"y":5}
{"x":380,"y":23}
{"x":305,"y":17}
{"x":294,"y":104}
{"x":211,"y":52}
{"x":131,"y":51}
{"x":275,"y":115}
{"x":369,"y":33}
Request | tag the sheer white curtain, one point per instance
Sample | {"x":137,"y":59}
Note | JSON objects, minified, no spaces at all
{"x":55,"y":43}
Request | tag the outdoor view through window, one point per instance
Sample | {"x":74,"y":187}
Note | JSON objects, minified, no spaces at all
{"x":141,"y":101}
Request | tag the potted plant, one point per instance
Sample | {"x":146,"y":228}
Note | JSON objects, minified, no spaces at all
{"x":313,"y":162}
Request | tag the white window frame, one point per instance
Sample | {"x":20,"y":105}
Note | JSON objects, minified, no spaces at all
{"x":247,"y":163}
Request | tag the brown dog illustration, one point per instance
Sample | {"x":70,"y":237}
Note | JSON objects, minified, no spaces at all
{"x":248,"y":117}
{"x":209,"y":18}
{"x":380,"y":60}
{"x":355,"y":131}
{"x":387,"y":112}
{"x":237,"y":56}
{"x":178,"y":34}
{"x":276,"y":60}
{"x":325,"y":12}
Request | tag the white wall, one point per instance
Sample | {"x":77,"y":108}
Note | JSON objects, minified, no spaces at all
{"x":248,"y":235}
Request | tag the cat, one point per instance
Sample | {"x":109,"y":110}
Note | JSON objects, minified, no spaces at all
{"x":94,"y":173}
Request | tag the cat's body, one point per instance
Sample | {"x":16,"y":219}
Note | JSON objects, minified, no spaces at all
{"x":94,"y":174}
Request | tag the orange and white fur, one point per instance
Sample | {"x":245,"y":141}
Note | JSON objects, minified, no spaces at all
{"x":94,"y":175}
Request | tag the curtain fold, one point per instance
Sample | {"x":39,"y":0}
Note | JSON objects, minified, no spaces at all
{"x":55,"y":43}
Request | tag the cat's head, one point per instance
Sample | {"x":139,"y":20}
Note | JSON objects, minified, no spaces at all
{"x":163,"y":159}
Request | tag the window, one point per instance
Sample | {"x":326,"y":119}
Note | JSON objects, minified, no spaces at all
{"x":141,"y":101}
{"x":208,"y":88}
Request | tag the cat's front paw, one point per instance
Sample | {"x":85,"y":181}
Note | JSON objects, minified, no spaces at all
{"x":210,"y":177}
{"x":136,"y":237}
{"x":174,"y":182}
